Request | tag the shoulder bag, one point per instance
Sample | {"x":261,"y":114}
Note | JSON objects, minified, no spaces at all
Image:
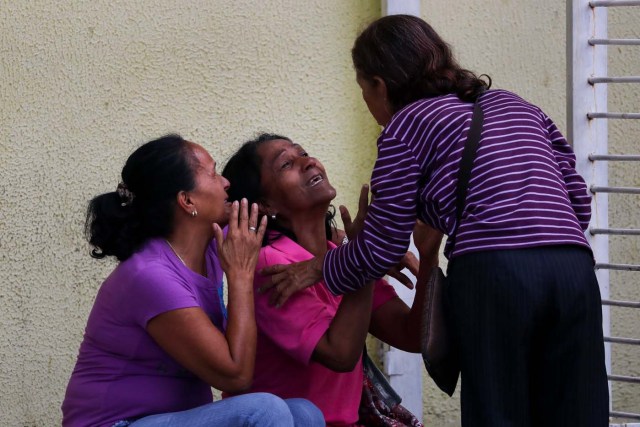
{"x":380,"y":404}
{"x":439,"y":351}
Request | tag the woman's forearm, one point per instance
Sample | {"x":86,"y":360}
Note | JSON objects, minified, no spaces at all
{"x":398,"y":325}
{"x":241,"y":332}
{"x":224,"y":361}
{"x":394,"y":322}
{"x":340,"y":347}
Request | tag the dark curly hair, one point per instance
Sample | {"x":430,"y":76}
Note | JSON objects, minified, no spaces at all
{"x":119,"y":222}
{"x":243,"y":172}
{"x":413,"y":61}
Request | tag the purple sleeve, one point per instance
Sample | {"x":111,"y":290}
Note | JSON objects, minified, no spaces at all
{"x":576,"y":187}
{"x":156,"y":290}
{"x":387,"y":226}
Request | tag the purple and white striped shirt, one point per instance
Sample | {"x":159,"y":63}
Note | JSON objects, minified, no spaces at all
{"x":524,"y":190}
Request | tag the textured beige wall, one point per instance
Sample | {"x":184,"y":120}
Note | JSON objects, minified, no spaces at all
{"x":83,"y":83}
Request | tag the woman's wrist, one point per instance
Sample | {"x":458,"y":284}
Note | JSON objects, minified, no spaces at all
{"x":240,"y":278}
{"x":316,"y":267}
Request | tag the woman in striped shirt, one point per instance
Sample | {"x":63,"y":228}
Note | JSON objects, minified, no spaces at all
{"x":522,"y":293}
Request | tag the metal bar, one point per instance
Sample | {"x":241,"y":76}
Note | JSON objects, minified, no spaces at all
{"x":629,"y":415}
{"x":618,"y":267}
{"x":614,"y":3}
{"x":617,"y":190}
{"x":625,"y":79}
{"x":616,"y":231}
{"x":618,"y":340}
{"x":590,"y":136}
{"x":600,"y":115}
{"x":629,"y":304}
{"x":616,"y":42}
{"x":624,"y":379}
{"x":615,"y":157}
{"x":586,"y":64}
{"x":406,"y":7}
{"x":625,"y":425}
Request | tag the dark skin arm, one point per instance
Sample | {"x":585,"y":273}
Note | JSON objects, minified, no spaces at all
{"x":339,"y":349}
{"x":224,"y":361}
{"x":394,"y":322}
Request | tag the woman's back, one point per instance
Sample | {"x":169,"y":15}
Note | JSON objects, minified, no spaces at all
{"x":523,"y":190}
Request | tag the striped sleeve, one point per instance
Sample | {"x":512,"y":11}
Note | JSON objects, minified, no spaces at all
{"x":387,"y":226}
{"x":576,"y":187}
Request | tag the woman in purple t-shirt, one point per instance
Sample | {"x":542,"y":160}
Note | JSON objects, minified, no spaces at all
{"x":158,"y":336}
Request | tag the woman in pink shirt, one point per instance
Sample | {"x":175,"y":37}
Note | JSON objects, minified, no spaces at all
{"x":158,"y":336}
{"x":311,"y":346}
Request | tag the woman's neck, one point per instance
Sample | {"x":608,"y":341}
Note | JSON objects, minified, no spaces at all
{"x":310,"y":232}
{"x":189,"y":246}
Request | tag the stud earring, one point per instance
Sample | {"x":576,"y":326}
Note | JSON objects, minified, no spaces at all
{"x":273,"y":216}
{"x":194,"y":213}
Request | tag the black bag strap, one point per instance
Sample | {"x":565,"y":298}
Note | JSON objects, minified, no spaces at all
{"x":466,"y":164}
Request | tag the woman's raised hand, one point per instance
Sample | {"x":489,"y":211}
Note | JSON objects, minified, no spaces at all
{"x":352,"y":228}
{"x":238,"y":251}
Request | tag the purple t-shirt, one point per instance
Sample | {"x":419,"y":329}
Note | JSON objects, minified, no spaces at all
{"x":121,"y":372}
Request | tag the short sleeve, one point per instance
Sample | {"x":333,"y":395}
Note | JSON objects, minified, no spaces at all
{"x":383,"y":292}
{"x":154,"y":290}
{"x":298,"y":325}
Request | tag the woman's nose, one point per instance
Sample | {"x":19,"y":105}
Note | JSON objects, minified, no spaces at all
{"x":309,"y":162}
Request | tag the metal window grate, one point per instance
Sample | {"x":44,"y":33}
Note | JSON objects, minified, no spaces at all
{"x":588,"y":118}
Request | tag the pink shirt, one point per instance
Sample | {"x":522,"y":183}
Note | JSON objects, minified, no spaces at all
{"x":288,"y":335}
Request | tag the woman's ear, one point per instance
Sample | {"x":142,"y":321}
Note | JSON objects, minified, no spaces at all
{"x":264,"y":207}
{"x":380,"y":87}
{"x":184,"y":202}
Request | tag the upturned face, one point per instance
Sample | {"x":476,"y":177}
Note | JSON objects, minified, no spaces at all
{"x":210,"y":193}
{"x":293,"y":183}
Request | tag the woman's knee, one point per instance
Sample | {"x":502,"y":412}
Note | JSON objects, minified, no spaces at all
{"x":305,"y":413}
{"x":270,"y":410}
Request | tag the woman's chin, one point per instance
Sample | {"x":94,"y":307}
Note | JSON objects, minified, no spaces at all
{"x":224,"y":219}
{"x":330,"y":196}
